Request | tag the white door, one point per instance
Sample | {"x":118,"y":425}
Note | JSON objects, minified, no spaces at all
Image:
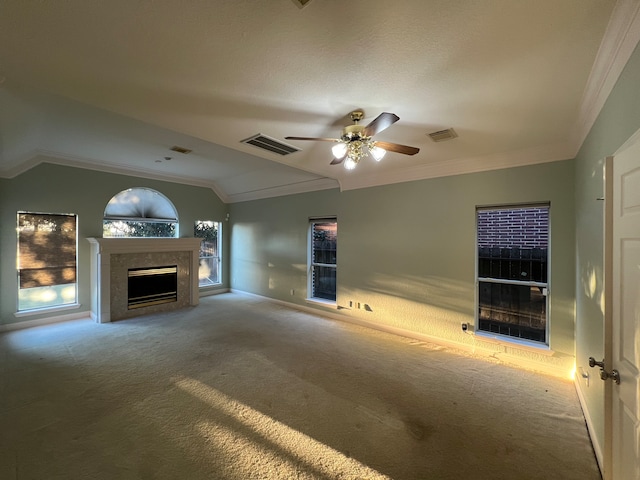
{"x":622,"y":347}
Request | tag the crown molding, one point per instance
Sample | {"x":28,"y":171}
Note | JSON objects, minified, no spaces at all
{"x":38,"y":156}
{"x":518,"y":158}
{"x":24,"y":163}
{"x":282,"y":190}
{"x":618,"y":43}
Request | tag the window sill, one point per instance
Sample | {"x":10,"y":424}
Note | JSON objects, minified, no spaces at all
{"x":541,"y":348}
{"x":321,"y":302}
{"x":39,"y":311}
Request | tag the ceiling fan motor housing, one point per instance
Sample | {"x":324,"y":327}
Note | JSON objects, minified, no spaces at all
{"x":351,"y":133}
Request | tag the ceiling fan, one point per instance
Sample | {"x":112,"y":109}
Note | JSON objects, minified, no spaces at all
{"x":355,"y":142}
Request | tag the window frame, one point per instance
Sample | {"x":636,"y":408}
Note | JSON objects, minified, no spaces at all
{"x":311,"y":287}
{"x":219,"y":251}
{"x":543,"y":345}
{"x":21,"y":311}
{"x":150,"y":207}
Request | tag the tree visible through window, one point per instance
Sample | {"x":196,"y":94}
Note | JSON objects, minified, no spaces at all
{"x":140,"y":212}
{"x":512,"y":271}
{"x":323,"y":265}
{"x":46,"y":260}
{"x":209,"y":232}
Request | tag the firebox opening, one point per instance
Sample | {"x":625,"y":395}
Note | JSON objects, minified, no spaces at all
{"x":152,"y":286}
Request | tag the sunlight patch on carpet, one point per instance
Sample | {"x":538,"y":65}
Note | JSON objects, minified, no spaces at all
{"x":262,"y":443}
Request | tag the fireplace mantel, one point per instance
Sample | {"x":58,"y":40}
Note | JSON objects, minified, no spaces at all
{"x":107,"y":255}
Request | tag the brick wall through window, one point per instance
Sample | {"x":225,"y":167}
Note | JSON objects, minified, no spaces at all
{"x":523,"y":228}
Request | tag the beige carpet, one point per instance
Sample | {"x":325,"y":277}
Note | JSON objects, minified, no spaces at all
{"x":242,"y":388}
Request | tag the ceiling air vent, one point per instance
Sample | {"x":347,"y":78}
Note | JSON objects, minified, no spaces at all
{"x":183,"y":150}
{"x":271,"y":144}
{"x":442,"y":135}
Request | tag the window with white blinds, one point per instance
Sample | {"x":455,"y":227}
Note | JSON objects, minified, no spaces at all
{"x":46,"y":260}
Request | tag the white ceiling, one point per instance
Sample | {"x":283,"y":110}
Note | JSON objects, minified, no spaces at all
{"x":113,"y":85}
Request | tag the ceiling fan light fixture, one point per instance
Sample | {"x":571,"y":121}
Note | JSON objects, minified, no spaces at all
{"x":356,"y":143}
{"x":377,"y":153}
{"x":339,"y":150}
{"x":350,"y":163}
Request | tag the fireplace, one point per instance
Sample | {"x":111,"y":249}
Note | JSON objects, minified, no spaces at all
{"x":161,"y":274}
{"x":152,"y":286}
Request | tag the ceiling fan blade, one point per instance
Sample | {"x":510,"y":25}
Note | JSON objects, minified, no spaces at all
{"x":397,"y":148}
{"x":337,"y":161}
{"x":378,"y":124}
{"x":318,"y":139}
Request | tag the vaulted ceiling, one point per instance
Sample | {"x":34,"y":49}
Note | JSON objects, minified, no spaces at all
{"x":115,"y":85}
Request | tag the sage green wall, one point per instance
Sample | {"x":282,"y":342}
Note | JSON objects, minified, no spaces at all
{"x":6,"y":261}
{"x":618,"y":120}
{"x":408,"y":250}
{"x":60,"y":189}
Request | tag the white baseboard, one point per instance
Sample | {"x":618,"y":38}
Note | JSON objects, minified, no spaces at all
{"x":79,"y":315}
{"x":594,"y":441}
{"x":45,"y":321}
{"x":213,"y":291}
{"x":475,"y":348}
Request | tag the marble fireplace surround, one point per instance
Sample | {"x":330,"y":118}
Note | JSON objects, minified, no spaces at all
{"x":111,"y":259}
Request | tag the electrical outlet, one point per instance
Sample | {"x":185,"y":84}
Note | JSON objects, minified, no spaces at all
{"x":584,"y":375}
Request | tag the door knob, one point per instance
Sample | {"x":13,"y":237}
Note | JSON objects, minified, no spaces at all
{"x":593,"y":363}
{"x":604,"y":375}
{"x":615,"y":376}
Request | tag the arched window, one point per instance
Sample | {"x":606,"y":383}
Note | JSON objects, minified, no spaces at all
{"x":140,"y":212}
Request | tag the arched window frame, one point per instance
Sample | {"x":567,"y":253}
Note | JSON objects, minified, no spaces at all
{"x":140,"y":212}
